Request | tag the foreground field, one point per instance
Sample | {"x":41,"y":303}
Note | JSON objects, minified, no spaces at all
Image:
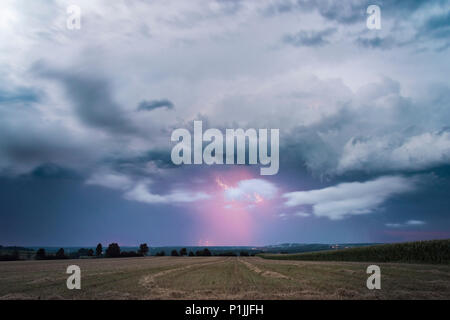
{"x":220,"y":278}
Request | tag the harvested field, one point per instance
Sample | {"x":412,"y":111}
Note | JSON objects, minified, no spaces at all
{"x":220,"y":278}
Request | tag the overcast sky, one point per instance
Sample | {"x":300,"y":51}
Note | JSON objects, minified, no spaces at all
{"x":86,"y":118}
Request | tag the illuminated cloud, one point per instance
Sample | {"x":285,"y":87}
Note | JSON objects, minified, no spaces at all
{"x":252,"y":190}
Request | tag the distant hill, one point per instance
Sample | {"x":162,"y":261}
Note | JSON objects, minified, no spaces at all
{"x":433,"y":251}
{"x":278,"y":248}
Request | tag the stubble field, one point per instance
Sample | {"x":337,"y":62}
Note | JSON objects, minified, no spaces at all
{"x":220,"y":278}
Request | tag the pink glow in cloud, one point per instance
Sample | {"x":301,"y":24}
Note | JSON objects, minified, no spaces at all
{"x":238,"y":203}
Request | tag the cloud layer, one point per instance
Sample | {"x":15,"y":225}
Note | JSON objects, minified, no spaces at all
{"x":339,"y":101}
{"x":347,"y":199}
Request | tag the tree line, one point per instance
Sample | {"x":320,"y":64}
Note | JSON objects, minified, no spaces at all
{"x":113,"y":251}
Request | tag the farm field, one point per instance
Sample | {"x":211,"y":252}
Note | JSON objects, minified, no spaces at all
{"x":433,"y":251}
{"x":220,"y":278}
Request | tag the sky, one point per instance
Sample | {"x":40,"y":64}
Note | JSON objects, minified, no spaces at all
{"x":86,"y":117}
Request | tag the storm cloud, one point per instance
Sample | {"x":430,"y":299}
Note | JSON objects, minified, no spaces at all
{"x":359,"y":111}
{"x":91,"y":97}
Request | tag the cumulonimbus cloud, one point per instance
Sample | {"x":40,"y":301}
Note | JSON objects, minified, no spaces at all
{"x":354,"y":198}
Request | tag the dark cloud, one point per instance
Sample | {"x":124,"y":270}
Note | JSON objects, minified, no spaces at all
{"x":28,"y":140}
{"x":91,"y":97}
{"x":53,"y":171}
{"x":22,"y":95}
{"x":155,"y":104}
{"x":309,"y":38}
{"x":436,"y":27}
{"x":137,"y":165}
{"x":403,"y":7}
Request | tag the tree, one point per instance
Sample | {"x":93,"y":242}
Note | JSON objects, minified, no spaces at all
{"x":244,"y":254}
{"x":191,"y":254}
{"x":90,"y":252}
{"x":174,"y":253}
{"x":40,"y":254}
{"x":183,"y":252}
{"x":99,"y":250}
{"x":160,"y":254}
{"x":113,"y":251}
{"x":143,"y":249}
{"x":60,"y":254}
